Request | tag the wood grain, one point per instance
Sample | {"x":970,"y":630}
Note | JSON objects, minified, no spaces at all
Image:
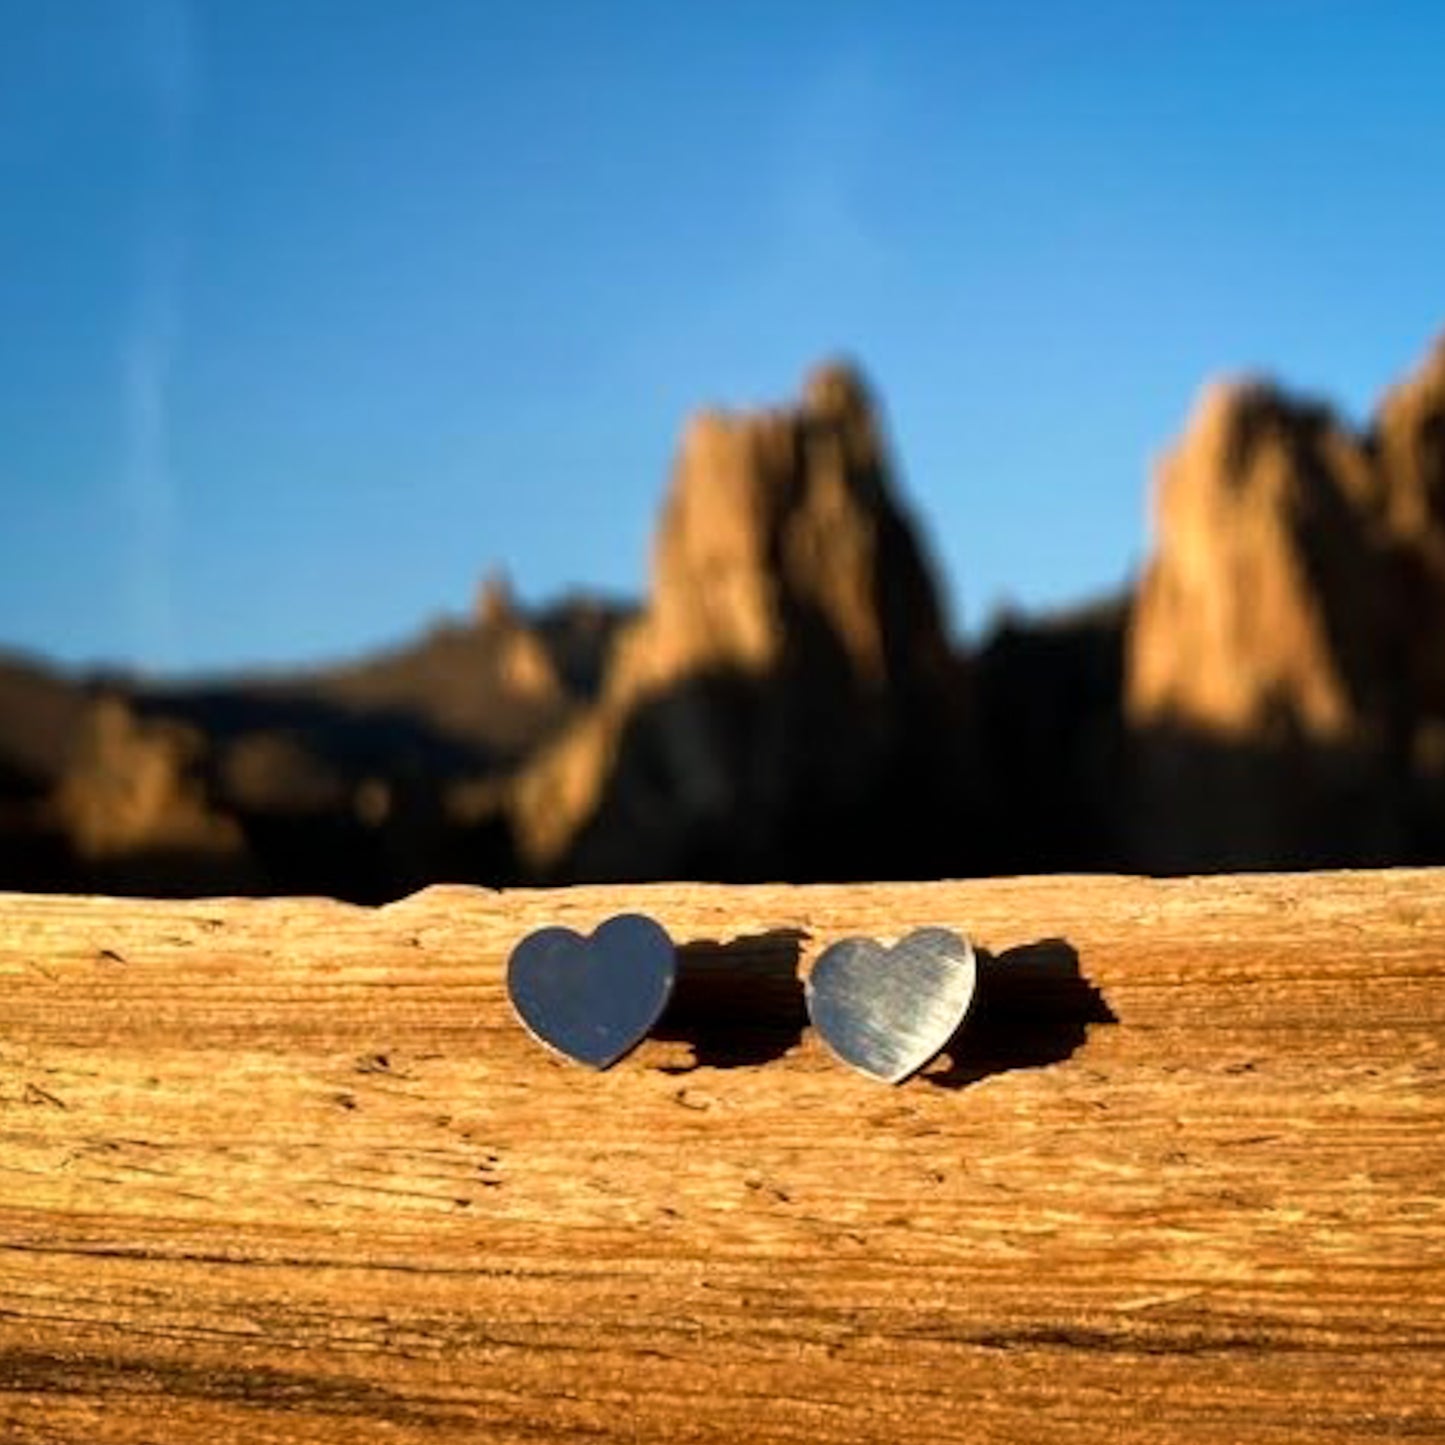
{"x":289,"y":1170}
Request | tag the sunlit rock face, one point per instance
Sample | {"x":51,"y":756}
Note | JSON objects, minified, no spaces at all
{"x":789,"y":682}
{"x":1262,"y":608}
{"x":1284,"y":669}
{"x":138,"y":805}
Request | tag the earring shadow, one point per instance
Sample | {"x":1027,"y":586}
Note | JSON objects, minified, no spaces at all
{"x":738,"y":1003}
{"x":1033,"y":1008}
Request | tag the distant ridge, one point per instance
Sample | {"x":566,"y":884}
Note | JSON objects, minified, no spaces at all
{"x":786,"y":702}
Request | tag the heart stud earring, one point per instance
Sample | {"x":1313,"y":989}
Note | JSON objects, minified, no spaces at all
{"x":593,"y":999}
{"x":888,"y":1011}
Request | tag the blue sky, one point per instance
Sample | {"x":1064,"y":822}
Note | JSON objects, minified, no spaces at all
{"x":312,"y":311}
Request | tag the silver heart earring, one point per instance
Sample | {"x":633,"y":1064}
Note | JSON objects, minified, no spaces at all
{"x":593,"y":999}
{"x":889,"y":1011}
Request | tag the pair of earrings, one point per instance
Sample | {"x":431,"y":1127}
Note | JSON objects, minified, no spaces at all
{"x":884,"y":1011}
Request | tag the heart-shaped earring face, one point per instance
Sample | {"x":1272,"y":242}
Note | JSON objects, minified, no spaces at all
{"x":888,"y":1011}
{"x":593,"y":999}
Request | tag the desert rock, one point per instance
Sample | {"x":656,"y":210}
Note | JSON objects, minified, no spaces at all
{"x":136,"y":802}
{"x":789,"y":681}
{"x":1262,"y":672}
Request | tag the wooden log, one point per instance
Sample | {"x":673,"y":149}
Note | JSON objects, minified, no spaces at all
{"x":289,"y":1170}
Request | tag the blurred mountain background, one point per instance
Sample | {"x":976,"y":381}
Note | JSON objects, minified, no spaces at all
{"x":787,"y":703}
{"x":314,"y":315}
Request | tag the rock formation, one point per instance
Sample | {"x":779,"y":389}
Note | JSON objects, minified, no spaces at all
{"x":784,"y":704}
{"x":788,"y":704}
{"x":337,"y":780}
{"x":136,"y":805}
{"x":1284,"y":662}
{"x":1408,"y":439}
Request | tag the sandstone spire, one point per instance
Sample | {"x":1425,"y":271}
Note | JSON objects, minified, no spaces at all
{"x":791,"y":656}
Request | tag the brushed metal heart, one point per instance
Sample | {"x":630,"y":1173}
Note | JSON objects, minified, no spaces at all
{"x":593,"y":999}
{"x":887,"y":1011}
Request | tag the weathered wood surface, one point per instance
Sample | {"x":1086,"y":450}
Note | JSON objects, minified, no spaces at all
{"x":289,"y":1170}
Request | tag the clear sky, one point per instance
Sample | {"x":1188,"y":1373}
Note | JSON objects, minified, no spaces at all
{"x":311,"y":311}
